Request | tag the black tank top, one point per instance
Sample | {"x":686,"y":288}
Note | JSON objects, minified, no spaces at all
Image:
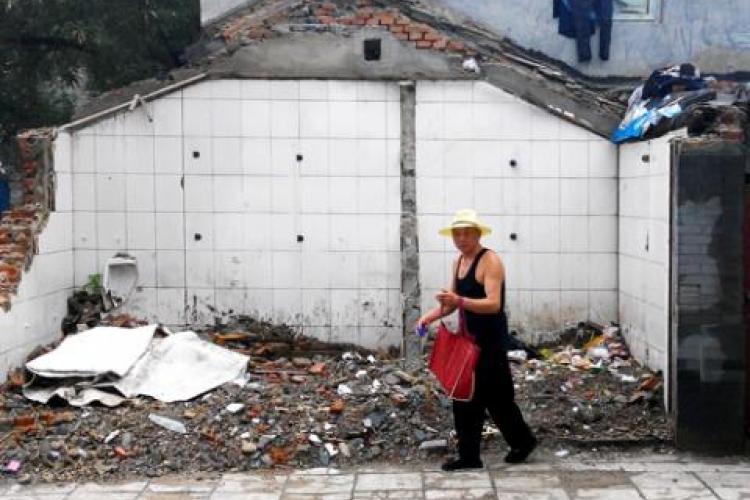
{"x":488,"y":329}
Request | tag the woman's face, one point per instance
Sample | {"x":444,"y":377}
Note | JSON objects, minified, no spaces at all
{"x":466,"y":238}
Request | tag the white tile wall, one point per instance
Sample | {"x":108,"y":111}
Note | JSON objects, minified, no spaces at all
{"x":249,"y":197}
{"x":643,"y":248}
{"x":221,"y":160}
{"x":527,"y":172}
{"x":40,"y":303}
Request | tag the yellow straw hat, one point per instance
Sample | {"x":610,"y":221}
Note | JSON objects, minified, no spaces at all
{"x":466,"y":218}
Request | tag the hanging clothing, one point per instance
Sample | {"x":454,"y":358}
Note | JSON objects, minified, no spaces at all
{"x":579,"y":19}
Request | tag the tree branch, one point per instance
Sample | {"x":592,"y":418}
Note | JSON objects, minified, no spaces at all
{"x":43,"y":41}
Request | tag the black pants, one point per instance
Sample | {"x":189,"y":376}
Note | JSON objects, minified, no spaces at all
{"x":493,"y":394}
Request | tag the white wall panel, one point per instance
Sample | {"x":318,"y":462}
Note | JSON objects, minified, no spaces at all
{"x":530,"y":174}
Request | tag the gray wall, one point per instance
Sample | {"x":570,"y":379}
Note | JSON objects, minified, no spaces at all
{"x":714,"y":34}
{"x":709,"y":338}
{"x":211,"y":10}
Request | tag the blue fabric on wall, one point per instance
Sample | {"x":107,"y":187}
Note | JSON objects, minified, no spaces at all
{"x":579,"y":19}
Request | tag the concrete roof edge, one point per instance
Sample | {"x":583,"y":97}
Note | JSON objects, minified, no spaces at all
{"x":88,"y":119}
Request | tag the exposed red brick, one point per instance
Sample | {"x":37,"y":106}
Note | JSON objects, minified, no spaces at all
{"x":401,"y":36}
{"x":456,"y":46}
{"x":440,"y":44}
{"x":372,"y":21}
{"x":358,"y":21}
{"x":9,"y":273}
{"x":397,"y":28}
{"x":330,"y":6}
{"x":24,"y":145}
{"x":387,"y":19}
{"x":257,"y":33}
{"x":345,"y":20}
{"x":326,"y":19}
{"x":29,"y":167}
{"x":424,"y":44}
{"x":403,"y":20}
{"x":432,"y":36}
{"x":6,"y":236}
{"x":366,"y":12}
{"x":415,"y":35}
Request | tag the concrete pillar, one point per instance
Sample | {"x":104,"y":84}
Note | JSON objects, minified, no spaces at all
{"x":410,"y":290}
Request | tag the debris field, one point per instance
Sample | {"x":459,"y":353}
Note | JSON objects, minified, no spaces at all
{"x":305,"y":403}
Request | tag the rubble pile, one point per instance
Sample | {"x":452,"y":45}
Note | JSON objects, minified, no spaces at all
{"x":304,"y":404}
{"x":590,"y":391}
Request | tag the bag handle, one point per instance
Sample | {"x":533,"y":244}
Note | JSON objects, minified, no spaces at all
{"x":462,"y":330}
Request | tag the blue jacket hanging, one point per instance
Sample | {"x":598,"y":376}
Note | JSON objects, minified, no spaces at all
{"x":580,"y":18}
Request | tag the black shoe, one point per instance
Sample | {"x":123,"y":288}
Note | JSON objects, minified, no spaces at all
{"x":518,"y":455}
{"x":459,"y":464}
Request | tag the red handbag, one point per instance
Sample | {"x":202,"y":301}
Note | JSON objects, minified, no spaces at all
{"x":453,"y":360}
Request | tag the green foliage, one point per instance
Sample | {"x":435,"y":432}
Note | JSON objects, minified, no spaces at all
{"x":94,"y":283}
{"x":48,"y":47}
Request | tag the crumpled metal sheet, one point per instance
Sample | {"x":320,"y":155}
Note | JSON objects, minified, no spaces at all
{"x":180,"y":367}
{"x":176,"y":368}
{"x":73,"y":396}
{"x":99,"y":351}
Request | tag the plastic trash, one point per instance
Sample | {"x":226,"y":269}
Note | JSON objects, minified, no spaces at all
{"x":168,"y":423}
{"x":471,"y":64}
{"x":562,"y":453}
{"x":234,"y":407}
{"x":314,"y":439}
{"x":111,"y":436}
{"x":13,"y":466}
{"x":421,"y":330}
{"x":519,"y":356}
{"x":343,"y":390}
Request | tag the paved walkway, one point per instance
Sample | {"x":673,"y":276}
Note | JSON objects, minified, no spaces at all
{"x":618,"y":476}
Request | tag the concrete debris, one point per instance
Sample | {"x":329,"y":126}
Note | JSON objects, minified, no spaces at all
{"x":168,"y":423}
{"x":274,"y":421}
{"x":471,"y":65}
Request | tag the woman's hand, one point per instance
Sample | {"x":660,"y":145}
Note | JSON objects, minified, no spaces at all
{"x":425,"y":320}
{"x":449,"y":299}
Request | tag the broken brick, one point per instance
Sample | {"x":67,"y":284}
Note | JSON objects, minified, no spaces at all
{"x":440,"y":44}
{"x":455,"y":46}
{"x":432,"y":36}
{"x":318,"y":368}
{"x":387,"y":19}
{"x":337,"y":406}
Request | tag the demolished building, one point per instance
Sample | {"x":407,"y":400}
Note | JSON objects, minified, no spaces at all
{"x":298,"y":168}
